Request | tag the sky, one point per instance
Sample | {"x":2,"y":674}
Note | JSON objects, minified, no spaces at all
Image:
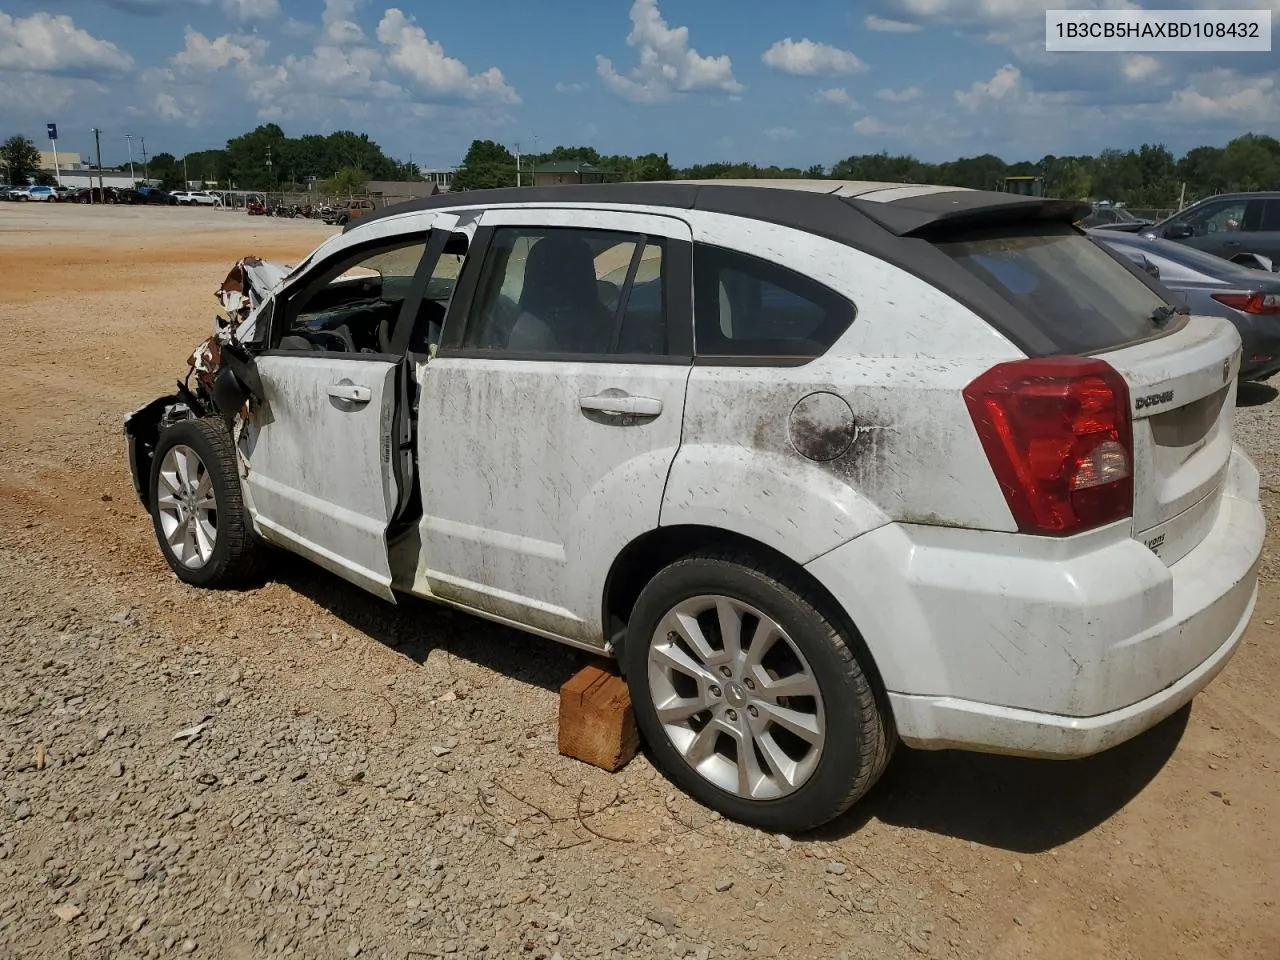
{"x":702,"y":80}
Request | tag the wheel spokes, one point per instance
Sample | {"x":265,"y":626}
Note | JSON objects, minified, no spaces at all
{"x":186,"y":507}
{"x":762,"y":696}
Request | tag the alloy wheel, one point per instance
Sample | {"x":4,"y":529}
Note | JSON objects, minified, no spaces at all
{"x":736,"y":697}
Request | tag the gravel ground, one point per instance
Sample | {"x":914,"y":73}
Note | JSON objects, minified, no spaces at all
{"x":302,"y":770}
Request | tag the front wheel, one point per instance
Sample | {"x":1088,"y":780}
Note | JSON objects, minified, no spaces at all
{"x":197,"y":509}
{"x":750,"y":694}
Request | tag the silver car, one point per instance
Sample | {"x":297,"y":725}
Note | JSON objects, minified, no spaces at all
{"x":1211,"y":286}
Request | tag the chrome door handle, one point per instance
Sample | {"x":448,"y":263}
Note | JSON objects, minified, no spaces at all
{"x":350,"y":392}
{"x":622,"y":405}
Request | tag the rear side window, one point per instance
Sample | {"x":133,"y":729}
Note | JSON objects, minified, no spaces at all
{"x":1063,"y":283}
{"x":1271,"y":217}
{"x":747,"y":307}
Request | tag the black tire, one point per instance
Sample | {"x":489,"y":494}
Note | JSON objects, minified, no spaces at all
{"x":859,"y":736}
{"x":238,"y":556}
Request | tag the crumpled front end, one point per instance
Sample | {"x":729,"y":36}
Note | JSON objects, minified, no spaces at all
{"x":213,"y":365}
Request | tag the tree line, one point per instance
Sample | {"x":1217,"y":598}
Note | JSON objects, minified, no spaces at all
{"x":1149,"y":176}
{"x":342,"y":162}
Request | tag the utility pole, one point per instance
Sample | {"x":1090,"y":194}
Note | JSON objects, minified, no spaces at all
{"x":145,"y":168}
{"x":132,"y":175}
{"x":52,"y":130}
{"x":517,"y":164}
{"x":186,"y":177}
{"x":97,"y":143}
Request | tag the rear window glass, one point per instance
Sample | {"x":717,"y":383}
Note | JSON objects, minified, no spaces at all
{"x":1073,"y":292}
{"x":747,"y":307}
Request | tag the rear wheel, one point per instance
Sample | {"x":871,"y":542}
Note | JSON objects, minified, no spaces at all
{"x":750,"y":695}
{"x":196,"y":507}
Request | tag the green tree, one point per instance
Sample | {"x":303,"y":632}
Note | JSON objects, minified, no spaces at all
{"x":347,"y":182}
{"x":486,"y":165}
{"x":1252,"y":162}
{"x":20,"y":158}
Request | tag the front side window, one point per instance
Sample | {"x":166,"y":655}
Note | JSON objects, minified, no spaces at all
{"x":567,"y":291}
{"x":352,"y":304}
{"x":748,"y":307}
{"x":1215,"y":218}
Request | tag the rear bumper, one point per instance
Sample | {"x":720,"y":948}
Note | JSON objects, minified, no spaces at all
{"x":1008,"y":643}
{"x":940,"y":723}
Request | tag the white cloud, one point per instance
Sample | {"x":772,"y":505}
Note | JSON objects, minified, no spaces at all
{"x":837,"y":95}
{"x":668,"y":65}
{"x":1140,"y":67}
{"x":414,"y":54}
{"x":297,"y":28}
{"x":568,"y":88}
{"x":870,"y":127}
{"x":167,"y":109}
{"x":46,"y":43}
{"x":252,"y":9}
{"x":1223,"y":94}
{"x":807,"y":58}
{"x":339,"y":23}
{"x":202,"y":53}
{"x":905,"y":95}
{"x":777,"y":134}
{"x":1005,"y":81}
{"x":886,"y":25}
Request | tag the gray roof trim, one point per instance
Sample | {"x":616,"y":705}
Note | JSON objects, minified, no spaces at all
{"x":810,"y":205}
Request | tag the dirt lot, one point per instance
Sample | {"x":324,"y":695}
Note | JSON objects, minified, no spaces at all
{"x":383,"y":782}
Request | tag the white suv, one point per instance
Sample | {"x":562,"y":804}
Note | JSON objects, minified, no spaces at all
{"x":825,"y":465}
{"x":201,"y":198}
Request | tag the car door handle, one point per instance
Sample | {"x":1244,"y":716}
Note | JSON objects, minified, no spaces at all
{"x":1231,"y":243}
{"x":350,"y":392}
{"x":621,"y":405}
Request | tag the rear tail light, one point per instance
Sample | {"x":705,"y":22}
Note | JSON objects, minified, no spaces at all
{"x":1268,"y":303}
{"x":1059,"y":437}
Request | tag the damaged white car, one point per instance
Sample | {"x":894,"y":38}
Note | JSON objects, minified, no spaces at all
{"x":827,"y":466}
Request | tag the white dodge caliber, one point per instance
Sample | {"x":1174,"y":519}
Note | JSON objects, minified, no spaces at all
{"x":825,"y":465}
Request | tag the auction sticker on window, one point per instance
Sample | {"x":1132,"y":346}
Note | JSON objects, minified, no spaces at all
{"x":1158,"y":31}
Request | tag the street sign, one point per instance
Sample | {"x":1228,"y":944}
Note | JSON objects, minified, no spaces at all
{"x":52,"y":129}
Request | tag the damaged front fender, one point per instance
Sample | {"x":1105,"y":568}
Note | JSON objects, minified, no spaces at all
{"x":142,"y":429}
{"x":223,"y":369}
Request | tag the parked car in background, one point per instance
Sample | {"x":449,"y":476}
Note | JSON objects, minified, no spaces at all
{"x":96,"y":195}
{"x":1106,"y":216}
{"x":1226,"y":225}
{"x":18,"y":192}
{"x":825,"y":466}
{"x":146,"y":195}
{"x":352,"y":209}
{"x":1211,"y":286}
{"x":37,"y":193}
{"x":199,"y":198}
{"x":155,"y":195}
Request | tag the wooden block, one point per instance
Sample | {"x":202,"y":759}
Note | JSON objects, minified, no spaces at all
{"x":597,"y":724}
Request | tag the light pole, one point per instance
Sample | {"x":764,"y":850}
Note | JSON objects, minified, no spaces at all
{"x":146,"y":170}
{"x":97,"y":143}
{"x":129,"y":137}
{"x":517,"y":164}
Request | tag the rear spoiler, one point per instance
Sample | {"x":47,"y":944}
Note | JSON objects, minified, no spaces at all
{"x":957,"y":210}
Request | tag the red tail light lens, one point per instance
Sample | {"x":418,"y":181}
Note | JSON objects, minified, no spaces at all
{"x":1250,"y":302}
{"x":1059,"y":437}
